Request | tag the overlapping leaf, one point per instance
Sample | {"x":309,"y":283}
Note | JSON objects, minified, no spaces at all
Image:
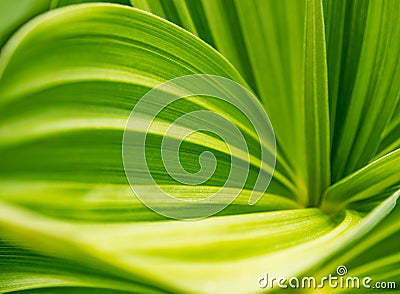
{"x":69,"y":80}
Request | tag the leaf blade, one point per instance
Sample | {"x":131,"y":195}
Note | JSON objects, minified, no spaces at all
{"x":317,"y":138}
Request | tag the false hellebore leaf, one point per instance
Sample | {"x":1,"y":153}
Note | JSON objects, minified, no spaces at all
{"x":311,"y":126}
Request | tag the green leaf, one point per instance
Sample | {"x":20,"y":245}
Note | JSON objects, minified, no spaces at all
{"x":199,"y":256}
{"x":390,"y":137}
{"x":369,"y":181}
{"x":69,"y":79}
{"x":373,"y":95}
{"x":61,"y":3}
{"x":345,"y":27}
{"x":316,"y":114}
{"x":89,"y":80}
{"x":13,"y":14}
{"x":373,"y":255}
{"x":252,"y":36}
{"x":22,"y":269}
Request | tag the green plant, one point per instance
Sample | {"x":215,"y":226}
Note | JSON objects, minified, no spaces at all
{"x":326,"y":73}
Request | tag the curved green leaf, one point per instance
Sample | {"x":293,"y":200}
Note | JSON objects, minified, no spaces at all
{"x":13,"y":14}
{"x":372,"y":179}
{"x":69,"y":79}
